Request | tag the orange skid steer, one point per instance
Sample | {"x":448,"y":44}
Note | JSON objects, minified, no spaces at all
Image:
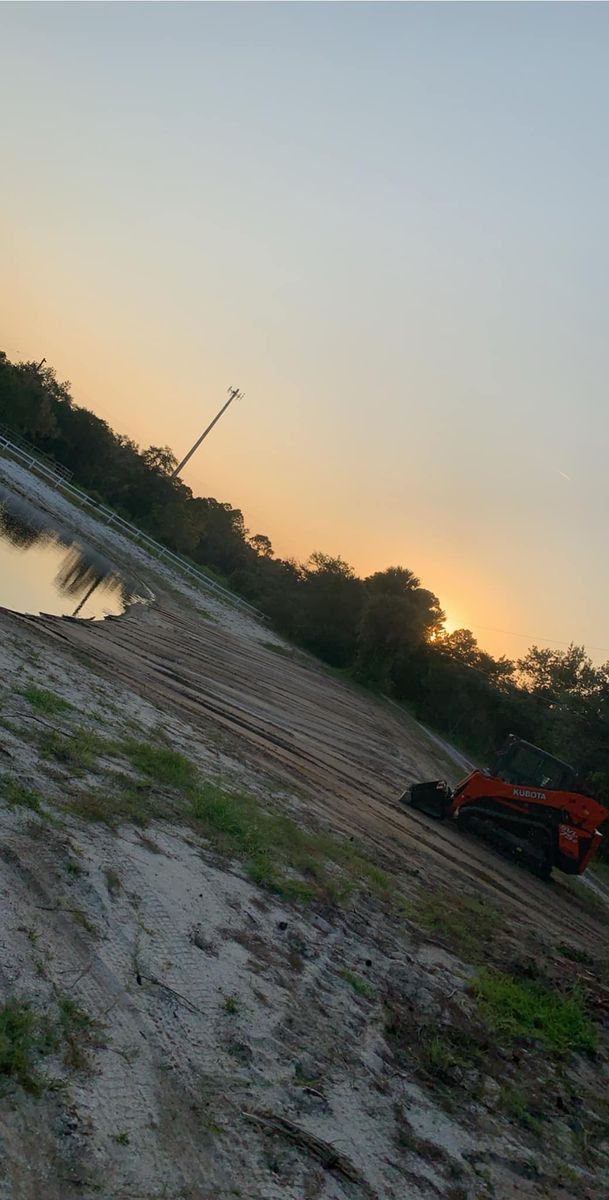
{"x":529,"y":805}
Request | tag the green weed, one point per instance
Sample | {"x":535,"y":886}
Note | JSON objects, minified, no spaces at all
{"x":160,"y":763}
{"x":467,"y":924}
{"x":443,"y":1053}
{"x":515,"y":1102}
{"x":278,"y":854}
{"x":233,"y":823}
{"x":446,"y":1053}
{"x":276,"y":848}
{"x":79,"y":750}
{"x":567,"y":1177}
{"x":32,"y":934}
{"x":359,"y":985}
{"x":73,"y":869}
{"x":522,"y":1008}
{"x":128,"y":802}
{"x":231,"y":1004}
{"x":11,"y":726}
{"x":25,"y":1037}
{"x":82,"y":919}
{"x":45,"y":701}
{"x":19,"y":796}
{"x":265,"y":874}
{"x":78,"y":1033}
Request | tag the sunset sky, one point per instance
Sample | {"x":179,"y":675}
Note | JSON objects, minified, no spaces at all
{"x":387,"y":224}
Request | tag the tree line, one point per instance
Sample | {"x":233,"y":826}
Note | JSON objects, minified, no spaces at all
{"x":387,"y":630}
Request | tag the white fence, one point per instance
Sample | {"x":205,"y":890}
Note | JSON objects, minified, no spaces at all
{"x":14,"y":439}
{"x":109,"y":517}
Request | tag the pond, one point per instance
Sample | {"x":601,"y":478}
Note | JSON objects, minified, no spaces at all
{"x":45,"y":568}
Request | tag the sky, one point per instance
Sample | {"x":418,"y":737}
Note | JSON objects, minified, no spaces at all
{"x":387,"y":224}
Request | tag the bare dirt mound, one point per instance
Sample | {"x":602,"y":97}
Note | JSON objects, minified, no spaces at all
{"x":350,"y":756}
{"x":232,"y":964}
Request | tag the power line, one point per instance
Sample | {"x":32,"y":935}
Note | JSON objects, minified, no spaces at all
{"x":233,"y":394}
{"x":537,"y":637}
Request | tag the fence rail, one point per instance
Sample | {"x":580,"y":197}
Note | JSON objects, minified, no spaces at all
{"x":15,"y":439}
{"x":111,"y":518}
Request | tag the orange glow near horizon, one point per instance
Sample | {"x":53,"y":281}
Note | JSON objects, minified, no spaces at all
{"x":422,"y":358}
{"x":451,"y":623}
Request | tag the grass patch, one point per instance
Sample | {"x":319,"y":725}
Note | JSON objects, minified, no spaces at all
{"x":231,"y":1005}
{"x":45,"y":701}
{"x":32,"y":934}
{"x":467,"y":924}
{"x":82,"y":919}
{"x":79,"y":750}
{"x":77,"y":1032}
{"x":515,"y":1102}
{"x":10,"y":726}
{"x":129,"y":802}
{"x":73,"y":869}
{"x":265,"y":874}
{"x":293,"y":863}
{"x":522,"y":1008}
{"x":359,"y":985}
{"x":233,"y":823}
{"x":25,"y":1037}
{"x":276,"y":849}
{"x":449,"y":1057}
{"x":446,"y":1053}
{"x":161,"y":764}
{"x":19,"y":796}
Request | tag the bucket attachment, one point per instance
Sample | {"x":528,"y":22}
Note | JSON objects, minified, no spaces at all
{"x":434,"y":798}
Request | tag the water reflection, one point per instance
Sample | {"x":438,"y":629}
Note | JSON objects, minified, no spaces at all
{"x":44,"y":569}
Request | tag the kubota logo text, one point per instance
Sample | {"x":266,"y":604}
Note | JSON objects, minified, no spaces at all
{"x":529,"y":795}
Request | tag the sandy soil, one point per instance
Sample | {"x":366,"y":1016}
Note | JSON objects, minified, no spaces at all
{"x":223,"y":1011}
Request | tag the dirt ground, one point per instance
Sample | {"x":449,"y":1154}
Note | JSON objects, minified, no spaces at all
{"x":235,"y":1041}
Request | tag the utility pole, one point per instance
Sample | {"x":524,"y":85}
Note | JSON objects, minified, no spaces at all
{"x":94,"y":585}
{"x":233,"y":394}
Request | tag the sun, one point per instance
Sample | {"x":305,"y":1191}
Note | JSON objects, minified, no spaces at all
{"x":452,"y":622}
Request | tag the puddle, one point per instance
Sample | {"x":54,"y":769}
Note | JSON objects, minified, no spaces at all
{"x":45,"y":568}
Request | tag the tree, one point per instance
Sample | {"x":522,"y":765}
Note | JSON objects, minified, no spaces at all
{"x":398,"y":615}
{"x":160,"y":459}
{"x":462,"y":646}
{"x":262,"y":545}
{"x":330,"y":608}
{"x":26,"y":398}
{"x":572,"y":698}
{"x":394,"y":581}
{"x":222,"y":541}
{"x":556,"y":675}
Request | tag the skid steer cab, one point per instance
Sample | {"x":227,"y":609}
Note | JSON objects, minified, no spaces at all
{"x":528,"y":804}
